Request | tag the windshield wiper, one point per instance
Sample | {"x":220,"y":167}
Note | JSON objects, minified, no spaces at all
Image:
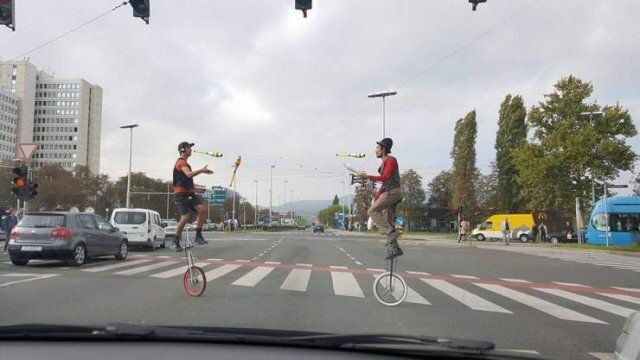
{"x":360,"y":340}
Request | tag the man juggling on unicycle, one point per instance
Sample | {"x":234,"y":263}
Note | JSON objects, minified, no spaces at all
{"x":383,"y":210}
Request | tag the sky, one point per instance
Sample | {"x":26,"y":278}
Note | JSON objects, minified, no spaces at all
{"x":253,"y":78}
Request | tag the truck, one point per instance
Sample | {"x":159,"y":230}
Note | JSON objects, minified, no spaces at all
{"x":522,"y":226}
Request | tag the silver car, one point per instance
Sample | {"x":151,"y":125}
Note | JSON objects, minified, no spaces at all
{"x":69,"y":236}
{"x":628,"y":344}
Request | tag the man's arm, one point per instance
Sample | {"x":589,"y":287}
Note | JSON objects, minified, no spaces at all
{"x":189,"y":173}
{"x":389,"y":166}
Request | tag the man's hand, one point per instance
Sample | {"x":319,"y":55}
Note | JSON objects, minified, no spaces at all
{"x":206,"y":170}
{"x":362,"y":174}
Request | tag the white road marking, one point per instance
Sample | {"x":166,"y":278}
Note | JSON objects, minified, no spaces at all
{"x":116,"y":266}
{"x":141,"y":269}
{"x":464,"y":276}
{"x":37,"y":277}
{"x":469,"y":299}
{"x":596,"y":303}
{"x":221,"y":271}
{"x":516,"y":280}
{"x":631,"y":299}
{"x":298,"y":280}
{"x":345,"y":284}
{"x":177,"y":271}
{"x":254,"y":276}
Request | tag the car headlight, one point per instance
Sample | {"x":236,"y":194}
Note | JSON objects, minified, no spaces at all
{"x":631,"y":323}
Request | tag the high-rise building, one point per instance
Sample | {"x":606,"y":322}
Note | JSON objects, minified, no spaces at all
{"x":62,"y":116}
{"x":8,"y":125}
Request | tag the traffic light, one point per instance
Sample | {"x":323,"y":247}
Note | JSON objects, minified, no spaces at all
{"x":141,"y":9}
{"x":7,"y":13}
{"x":31,"y":190}
{"x":303,"y":5}
{"x":19,"y":182}
{"x":474,"y":3}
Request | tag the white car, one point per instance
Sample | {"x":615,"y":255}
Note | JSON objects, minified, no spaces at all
{"x":628,"y":344}
{"x":143,"y":227}
{"x":169,"y":228}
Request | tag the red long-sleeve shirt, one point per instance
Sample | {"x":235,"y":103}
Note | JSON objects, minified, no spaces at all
{"x":389,"y":165}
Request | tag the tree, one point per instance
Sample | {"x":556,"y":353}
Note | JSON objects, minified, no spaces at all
{"x":146,"y":193}
{"x":327,"y":216}
{"x":568,"y":148}
{"x":440,"y":191}
{"x":464,"y":163}
{"x":362,"y":202}
{"x":512,"y":131}
{"x":336,"y":201}
{"x":486,"y":190}
{"x":413,"y":195}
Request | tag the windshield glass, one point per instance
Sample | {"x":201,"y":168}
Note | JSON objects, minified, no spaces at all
{"x":450,"y":168}
{"x":129,"y":218}
{"x":42,"y":221}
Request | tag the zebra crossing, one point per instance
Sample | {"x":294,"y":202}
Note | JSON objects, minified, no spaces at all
{"x":624,"y":262}
{"x":355,"y":283}
{"x":508,"y":295}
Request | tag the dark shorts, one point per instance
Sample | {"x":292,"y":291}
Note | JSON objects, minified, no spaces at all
{"x":187,"y":202}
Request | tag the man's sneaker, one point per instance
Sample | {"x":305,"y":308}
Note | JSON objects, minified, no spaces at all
{"x":392,"y":237}
{"x":200,"y":240}
{"x":394,"y":252}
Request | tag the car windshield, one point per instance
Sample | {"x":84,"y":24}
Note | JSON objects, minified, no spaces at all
{"x":42,"y":221}
{"x":450,"y":168}
{"x":129,"y":218}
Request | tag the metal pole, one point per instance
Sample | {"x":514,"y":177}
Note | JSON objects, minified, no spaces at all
{"x":129,"y":174}
{"x":271,"y":195}
{"x":291,"y":209}
{"x":383,"y":116}
{"x":606,"y":216}
{"x":233,"y":211}
{"x":168,"y":189}
{"x":256,"y":220}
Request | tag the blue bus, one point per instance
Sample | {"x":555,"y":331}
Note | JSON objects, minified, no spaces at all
{"x":623,"y":214}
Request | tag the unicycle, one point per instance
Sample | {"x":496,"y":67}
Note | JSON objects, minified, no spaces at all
{"x":195,"y":281}
{"x":390,"y":288}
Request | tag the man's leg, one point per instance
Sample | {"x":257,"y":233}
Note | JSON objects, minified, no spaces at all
{"x":183,"y":221}
{"x":201,"y":209}
{"x":380,"y":218}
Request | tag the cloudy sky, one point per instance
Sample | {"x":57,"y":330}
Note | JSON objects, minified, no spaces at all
{"x":256,"y":79}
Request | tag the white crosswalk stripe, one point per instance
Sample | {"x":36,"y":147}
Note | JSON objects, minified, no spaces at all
{"x":469,"y":299}
{"x":116,"y":266}
{"x":610,"y":260}
{"x":221,"y":271}
{"x":598,"y":304}
{"x":540,"y":304}
{"x":345,"y":284}
{"x":412,"y":296}
{"x":631,"y":299}
{"x":146,"y":268}
{"x":298,"y":280}
{"x":177,"y":271}
{"x":253,"y":277}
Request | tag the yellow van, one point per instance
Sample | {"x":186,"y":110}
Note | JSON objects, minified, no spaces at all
{"x":521,"y":226}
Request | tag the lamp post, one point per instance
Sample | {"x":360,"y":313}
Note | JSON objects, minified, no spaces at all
{"x":271,"y":195}
{"x":383,"y":95}
{"x":130,"y":127}
{"x":593,"y":184}
{"x":256,"y":220}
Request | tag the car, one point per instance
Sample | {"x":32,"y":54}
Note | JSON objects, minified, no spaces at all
{"x":628,"y":343}
{"x":318,"y":229}
{"x":142,"y":226}
{"x":169,"y":228}
{"x":69,"y":236}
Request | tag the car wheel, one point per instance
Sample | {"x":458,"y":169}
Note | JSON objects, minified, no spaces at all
{"x":524,"y":238}
{"x":19,"y":262}
{"x":79,"y":255}
{"x":480,"y":237}
{"x":554,"y":240}
{"x":123,"y":251}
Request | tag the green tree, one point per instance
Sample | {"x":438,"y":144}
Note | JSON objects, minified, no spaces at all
{"x":327,"y":216}
{"x":464,"y":163}
{"x":440,"y":191}
{"x":362,"y":202}
{"x":413,"y":195}
{"x":486,"y":190}
{"x":146,"y":193}
{"x":569,"y":148}
{"x":336,"y":201}
{"x":512,"y":131}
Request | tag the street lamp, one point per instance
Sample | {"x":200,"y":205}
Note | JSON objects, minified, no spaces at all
{"x":271,"y":195}
{"x":129,"y":126}
{"x":256,"y":220}
{"x":383,"y":95}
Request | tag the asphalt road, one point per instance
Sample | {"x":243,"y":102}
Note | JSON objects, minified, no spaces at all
{"x":550,"y":302}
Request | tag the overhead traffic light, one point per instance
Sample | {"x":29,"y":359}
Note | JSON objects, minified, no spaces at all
{"x":7,"y":13}
{"x":474,"y":3}
{"x":303,"y":5}
{"x":19,"y":182}
{"x":141,"y":9}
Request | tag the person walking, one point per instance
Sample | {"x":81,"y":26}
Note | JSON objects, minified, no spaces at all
{"x":9,"y":221}
{"x":542,"y":229}
{"x":464,"y":231}
{"x":506,"y":231}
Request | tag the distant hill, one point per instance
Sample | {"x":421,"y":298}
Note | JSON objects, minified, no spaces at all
{"x":306,"y":207}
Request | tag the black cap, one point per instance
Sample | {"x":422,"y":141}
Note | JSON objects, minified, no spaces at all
{"x":183,"y":145}
{"x":386,"y":143}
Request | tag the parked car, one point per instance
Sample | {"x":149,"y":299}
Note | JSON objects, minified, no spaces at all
{"x":142,"y":226}
{"x":69,"y":236}
{"x":628,"y":344}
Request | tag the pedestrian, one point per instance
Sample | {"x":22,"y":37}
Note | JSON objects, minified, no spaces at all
{"x":506,"y":231}
{"x":534,"y":232}
{"x":9,"y":221}
{"x":569,"y":231}
{"x":464,"y":230}
{"x":185,"y":196}
{"x":542,"y":229}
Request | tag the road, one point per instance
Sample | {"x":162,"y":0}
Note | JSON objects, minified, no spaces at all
{"x":561,"y":304}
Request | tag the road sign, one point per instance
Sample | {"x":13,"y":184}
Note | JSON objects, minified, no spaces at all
{"x":27,"y":150}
